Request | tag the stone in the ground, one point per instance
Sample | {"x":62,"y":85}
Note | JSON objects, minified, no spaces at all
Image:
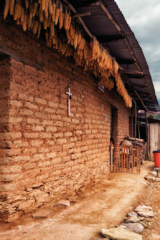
{"x":153,"y":173}
{"x":142,"y":208}
{"x":150,"y":178}
{"x":132,"y":220}
{"x":119,"y":234}
{"x":146,"y":214}
{"x":132,"y":214}
{"x":141,"y":218}
{"x":158,"y":179}
{"x":41,"y":214}
{"x":156,"y":169}
{"x":134,"y":227}
{"x":144,"y":211}
{"x":65,"y":203}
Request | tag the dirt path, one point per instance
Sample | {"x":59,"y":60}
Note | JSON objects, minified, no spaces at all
{"x":152,"y":198}
{"x":103,"y":206}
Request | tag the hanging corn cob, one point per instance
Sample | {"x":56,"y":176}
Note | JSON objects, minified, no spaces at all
{"x":25,"y":23}
{"x":17,"y":11}
{"x":61,"y":16}
{"x":50,"y":8}
{"x":27,"y":4}
{"x":35,"y":27}
{"x":72,"y":31}
{"x":43,"y":4}
{"x":46,"y":10}
{"x":79,"y":38}
{"x":35,"y":6}
{"x":57,"y":13}
{"x":69,"y":22}
{"x":12,"y":2}
{"x":41,"y":14}
{"x":53,"y":11}
{"x":66,"y":19}
{"x":75,"y":41}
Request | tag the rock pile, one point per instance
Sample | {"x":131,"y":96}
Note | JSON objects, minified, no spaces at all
{"x":133,"y":225}
{"x":154,"y":176}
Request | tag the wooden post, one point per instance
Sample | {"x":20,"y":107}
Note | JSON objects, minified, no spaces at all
{"x":132,"y":122}
{"x":138,"y":128}
{"x":147,"y":138}
{"x":135,"y":120}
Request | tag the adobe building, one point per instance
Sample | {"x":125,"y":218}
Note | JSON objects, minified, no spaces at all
{"x":54,"y":144}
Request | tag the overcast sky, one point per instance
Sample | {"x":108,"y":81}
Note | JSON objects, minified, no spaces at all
{"x":143,"y":17}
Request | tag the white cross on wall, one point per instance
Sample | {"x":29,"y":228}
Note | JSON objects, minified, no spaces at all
{"x":69,"y":97}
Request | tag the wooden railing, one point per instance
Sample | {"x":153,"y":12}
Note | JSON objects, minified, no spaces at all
{"x":125,"y":159}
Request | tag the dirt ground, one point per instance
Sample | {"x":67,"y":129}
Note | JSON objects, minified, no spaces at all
{"x":104,"y":205}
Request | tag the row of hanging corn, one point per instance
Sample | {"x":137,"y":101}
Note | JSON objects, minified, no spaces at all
{"x":32,"y":15}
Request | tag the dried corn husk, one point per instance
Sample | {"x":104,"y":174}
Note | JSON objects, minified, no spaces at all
{"x":25,"y":23}
{"x":12,"y":2}
{"x":43,"y":4}
{"x":61,"y":16}
{"x":75,"y":41}
{"x":30,"y":9}
{"x":66,"y":19}
{"x":27,"y":4}
{"x":45,"y":23}
{"x":53,"y":12}
{"x":18,"y":21}
{"x":39,"y":30}
{"x":61,"y":19}
{"x":72,"y":31}
{"x":40,"y":14}
{"x":69,"y":22}
{"x":46,"y":9}
{"x":50,"y":7}
{"x":79,"y":38}
{"x":17,"y":11}
{"x":57,"y":15}
{"x":35,"y":6}
{"x":35,"y":27}
{"x":52,"y":29}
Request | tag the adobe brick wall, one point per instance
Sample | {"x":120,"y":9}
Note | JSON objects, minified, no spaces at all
{"x":51,"y":156}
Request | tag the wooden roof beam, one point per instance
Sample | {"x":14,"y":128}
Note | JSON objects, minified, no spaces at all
{"x":82,"y":15}
{"x":131,"y":72}
{"x":125,"y":61}
{"x":109,"y":38}
{"x":141,"y":101}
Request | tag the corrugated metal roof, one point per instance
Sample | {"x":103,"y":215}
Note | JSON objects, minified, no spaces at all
{"x":99,"y":24}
